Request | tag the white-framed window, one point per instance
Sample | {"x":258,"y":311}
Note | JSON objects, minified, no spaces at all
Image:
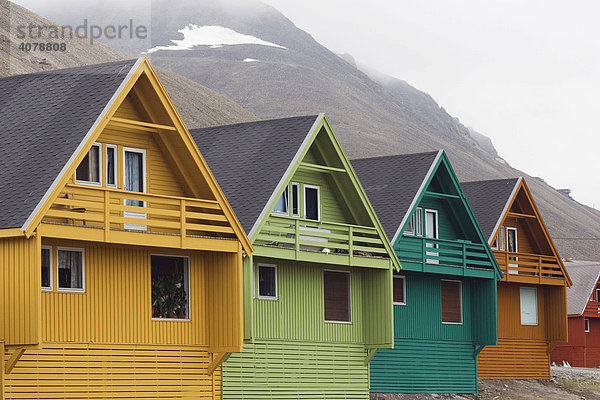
{"x":419,"y":221}
{"x":47,"y":272}
{"x":502,"y":239}
{"x":452,"y":301}
{"x":89,"y":171}
{"x":399,"y":290}
{"x":337,"y":296}
{"x":134,"y":170}
{"x":281,"y":207}
{"x":529,"y":309}
{"x":598,"y":294}
{"x":312,"y":202}
{"x":111,"y":165}
{"x":170,"y":287}
{"x":266,"y":282}
{"x":586,"y":322}
{"x":494,"y":245}
{"x":71,"y":269}
{"x":295,"y":199}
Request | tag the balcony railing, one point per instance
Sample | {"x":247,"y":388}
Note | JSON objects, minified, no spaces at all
{"x":113,"y":215}
{"x":529,"y":268}
{"x":443,"y":253}
{"x":336,"y":241}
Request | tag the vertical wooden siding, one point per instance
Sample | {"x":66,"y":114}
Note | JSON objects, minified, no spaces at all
{"x":279,"y":369}
{"x":116,"y":306}
{"x":95,"y":371}
{"x":378,"y":309}
{"x":583,"y":348}
{"x":298,"y":313}
{"x":20,"y":282}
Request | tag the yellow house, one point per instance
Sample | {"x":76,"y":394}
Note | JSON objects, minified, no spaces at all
{"x":120,"y":259}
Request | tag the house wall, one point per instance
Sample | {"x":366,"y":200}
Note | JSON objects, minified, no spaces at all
{"x":525,"y":243}
{"x":583,"y":348}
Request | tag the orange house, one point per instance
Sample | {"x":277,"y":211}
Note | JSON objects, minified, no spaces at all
{"x":532,"y":299}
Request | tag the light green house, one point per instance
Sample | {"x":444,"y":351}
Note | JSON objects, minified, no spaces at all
{"x":318,"y":288}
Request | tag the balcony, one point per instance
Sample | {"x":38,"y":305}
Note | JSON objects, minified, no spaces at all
{"x":452,"y":257}
{"x":530,"y":268}
{"x":117,"y":216}
{"x":324,"y":242}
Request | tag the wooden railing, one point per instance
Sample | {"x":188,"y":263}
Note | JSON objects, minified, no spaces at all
{"x":533,"y":267}
{"x":304,"y":235}
{"x":114,"y":210}
{"x":449,"y":253}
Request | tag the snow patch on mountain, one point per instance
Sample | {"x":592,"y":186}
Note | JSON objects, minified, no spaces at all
{"x":250,"y":60}
{"x":211,"y":35}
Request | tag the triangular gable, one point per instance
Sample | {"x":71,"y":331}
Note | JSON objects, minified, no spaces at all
{"x":521,"y":205}
{"x":432,"y":186}
{"x":585,"y":276}
{"x":335,"y":161}
{"x":142,"y":82}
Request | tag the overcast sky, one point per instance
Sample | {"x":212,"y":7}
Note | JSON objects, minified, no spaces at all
{"x":525,"y":73}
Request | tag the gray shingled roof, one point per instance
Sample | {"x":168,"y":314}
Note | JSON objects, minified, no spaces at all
{"x":584,"y":275}
{"x":250,"y":159}
{"x":43,"y":118}
{"x":488,"y":200}
{"x":391,"y":183}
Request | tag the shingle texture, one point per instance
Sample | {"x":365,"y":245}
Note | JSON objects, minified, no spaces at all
{"x":391,"y":183}
{"x":584,"y":275}
{"x":43,"y":118}
{"x":488,"y":199}
{"x":249,"y":159}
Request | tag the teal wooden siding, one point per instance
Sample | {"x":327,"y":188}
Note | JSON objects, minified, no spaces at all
{"x":277,"y":369}
{"x":425,"y":366}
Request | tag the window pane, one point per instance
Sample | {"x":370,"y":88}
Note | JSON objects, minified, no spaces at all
{"x":295,"y":200}
{"x":282,"y":204}
{"x":501,"y":238}
{"x":311,"y":199}
{"x":46,"y":268}
{"x":419,"y":221}
{"x":410,"y":227}
{"x":134,"y":176}
{"x":431,"y":229}
{"x":336,"y":288}
{"x":111,"y":175}
{"x":451,"y":302}
{"x":267,"y":281}
{"x":399,"y":290}
{"x":170,"y":287}
{"x":529,"y":306}
{"x":587,"y":325}
{"x":70,"y":269}
{"x":89,"y":169}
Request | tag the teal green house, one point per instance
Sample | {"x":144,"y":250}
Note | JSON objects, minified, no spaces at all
{"x":445,"y":303}
{"x":318,"y":287}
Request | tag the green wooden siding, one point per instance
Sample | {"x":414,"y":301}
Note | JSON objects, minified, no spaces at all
{"x":277,"y":369}
{"x":425,"y":366}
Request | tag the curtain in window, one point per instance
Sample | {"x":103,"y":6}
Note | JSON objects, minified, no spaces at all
{"x":134,"y":180}
{"x":70,"y":269}
{"x":94,"y":169}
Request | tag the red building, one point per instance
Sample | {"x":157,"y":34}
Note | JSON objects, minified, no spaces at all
{"x":583,"y":307}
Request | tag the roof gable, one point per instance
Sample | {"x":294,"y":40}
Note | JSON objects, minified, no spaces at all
{"x":585,"y":275}
{"x":167,"y":127}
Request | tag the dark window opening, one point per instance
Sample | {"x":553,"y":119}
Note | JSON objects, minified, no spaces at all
{"x":336,"y":288}
{"x":399,"y":295}
{"x":170,"y":287}
{"x":311,"y":202}
{"x":451,"y":302}
{"x":89,"y":169}
{"x":267,"y":281}
{"x":46,"y":269}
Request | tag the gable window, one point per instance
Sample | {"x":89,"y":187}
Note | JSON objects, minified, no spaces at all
{"x":419,"y":221}
{"x":267,"y":282}
{"x":111,"y":165}
{"x":587,"y":324}
{"x":295,"y":199}
{"x":400,"y":290}
{"x":598,"y":295}
{"x":502,"y":239}
{"x":312,"y":203}
{"x":281,"y":207}
{"x":451,"y":302}
{"x":494,"y":245}
{"x":336,"y":296}
{"x":170,"y":287}
{"x":46,"y":268}
{"x":529,"y":314}
{"x":89,"y":171}
{"x":71,"y":269}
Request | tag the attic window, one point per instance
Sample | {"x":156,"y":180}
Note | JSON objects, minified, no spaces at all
{"x":88,"y":171}
{"x":598,"y":295}
{"x":281,"y":207}
{"x":312,"y":203}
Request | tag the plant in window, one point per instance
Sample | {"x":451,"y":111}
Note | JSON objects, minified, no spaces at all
{"x":169,"y":287}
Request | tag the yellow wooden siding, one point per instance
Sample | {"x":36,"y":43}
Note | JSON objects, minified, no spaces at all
{"x":116,"y":306}
{"x":509,"y":313}
{"x":96,"y":371}
{"x":20,"y":282}
{"x":515,"y":359}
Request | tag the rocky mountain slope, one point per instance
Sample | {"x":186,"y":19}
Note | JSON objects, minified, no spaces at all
{"x":254,"y":55}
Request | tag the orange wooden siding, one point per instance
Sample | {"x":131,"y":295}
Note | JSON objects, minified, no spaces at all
{"x":514,"y":359}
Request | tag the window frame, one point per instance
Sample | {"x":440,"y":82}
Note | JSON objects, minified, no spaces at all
{"x":257,"y":294}
{"x":186,"y":278}
{"x":597,"y":295}
{"x":460,"y":291}
{"x":51,"y":287}
{"x":502,"y":239}
{"x":318,"y":188}
{"x":419,"y":222}
{"x":286,"y":195}
{"x":403,"y":303}
{"x":116,"y":169}
{"x":144,"y":168}
{"x":291,"y":197}
{"x":537,"y":311}
{"x":100,"y":168}
{"x":71,"y":290}
{"x":349,"y":322}
{"x":586,"y":325}
{"x":411,"y":221}
{"x":514,"y":229}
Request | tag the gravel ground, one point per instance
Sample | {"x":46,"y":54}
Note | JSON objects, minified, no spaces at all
{"x":566,"y":384}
